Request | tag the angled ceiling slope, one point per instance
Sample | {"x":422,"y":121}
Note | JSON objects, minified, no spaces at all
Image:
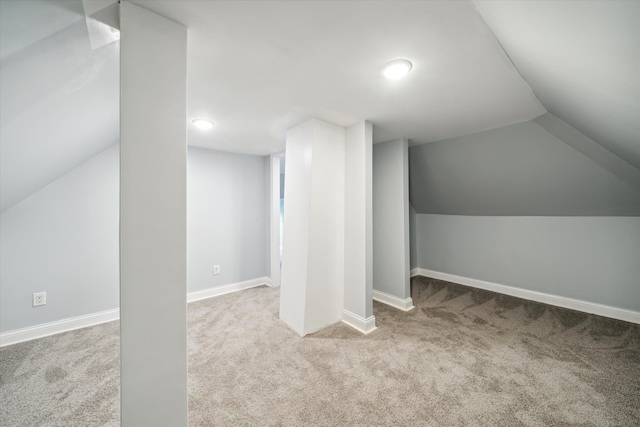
{"x":582,"y":59}
{"x":256,"y":68}
{"x":58,"y":97}
{"x":520,"y":170}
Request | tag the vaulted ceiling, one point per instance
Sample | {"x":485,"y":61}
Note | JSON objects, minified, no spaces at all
{"x":59,"y":99}
{"x":526,"y":169}
{"x":258,"y":68}
{"x":582,"y":59}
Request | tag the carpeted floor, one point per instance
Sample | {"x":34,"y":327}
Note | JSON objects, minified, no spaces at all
{"x":462,"y":357}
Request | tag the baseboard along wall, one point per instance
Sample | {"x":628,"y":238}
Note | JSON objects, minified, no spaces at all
{"x":358,"y":322}
{"x":52,"y":328}
{"x":393,"y":301}
{"x":73,"y":323}
{"x":226,"y":289}
{"x":574,"y":304}
{"x":361,"y":324}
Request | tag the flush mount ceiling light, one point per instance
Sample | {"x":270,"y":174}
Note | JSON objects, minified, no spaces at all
{"x":396,"y":69}
{"x":203,"y":124}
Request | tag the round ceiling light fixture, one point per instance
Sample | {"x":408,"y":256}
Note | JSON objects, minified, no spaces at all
{"x":203,"y":124}
{"x":397,"y":69}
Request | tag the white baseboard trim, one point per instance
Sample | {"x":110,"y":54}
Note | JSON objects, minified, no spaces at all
{"x":393,"y":301}
{"x":574,"y":304}
{"x":226,"y":289}
{"x":65,"y":325}
{"x":360,"y":323}
{"x":52,"y":328}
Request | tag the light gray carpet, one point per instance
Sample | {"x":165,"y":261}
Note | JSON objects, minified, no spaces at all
{"x":461,"y":357}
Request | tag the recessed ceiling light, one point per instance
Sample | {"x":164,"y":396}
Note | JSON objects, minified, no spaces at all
{"x":203,"y":124}
{"x":396,"y":69}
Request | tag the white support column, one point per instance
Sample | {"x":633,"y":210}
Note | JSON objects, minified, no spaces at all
{"x":391,"y":253}
{"x":274,"y":219}
{"x":313,"y":254}
{"x":153,"y":150}
{"x":358,"y":246}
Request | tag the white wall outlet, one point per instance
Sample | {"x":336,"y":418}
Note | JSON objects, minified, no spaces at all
{"x":39,"y":298}
{"x":216,"y":269}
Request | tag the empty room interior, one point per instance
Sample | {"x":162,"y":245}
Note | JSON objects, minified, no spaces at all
{"x":301,"y":213}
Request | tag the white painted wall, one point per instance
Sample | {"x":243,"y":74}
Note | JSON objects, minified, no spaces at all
{"x":325,"y":293}
{"x":391,"y":218}
{"x":358,"y":239}
{"x":313,"y":254}
{"x":296,"y":233}
{"x":593,"y":259}
{"x":62,"y":240}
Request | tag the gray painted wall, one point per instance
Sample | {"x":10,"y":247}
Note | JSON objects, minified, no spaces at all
{"x":226,"y":218}
{"x":282,"y":186}
{"x":594,"y":151}
{"x":516,"y":170}
{"x":391,"y":218}
{"x":413,"y":241}
{"x":63,"y":239}
{"x":592,"y":259}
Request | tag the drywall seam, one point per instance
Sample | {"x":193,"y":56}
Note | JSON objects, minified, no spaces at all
{"x":85,"y":321}
{"x":574,"y":304}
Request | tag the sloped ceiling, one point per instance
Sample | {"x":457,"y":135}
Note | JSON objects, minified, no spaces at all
{"x":256,"y":68}
{"x":24,"y":23}
{"x":582,"y":59}
{"x":58,"y":97}
{"x":517,"y":170}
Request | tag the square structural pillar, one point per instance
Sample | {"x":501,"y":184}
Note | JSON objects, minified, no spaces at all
{"x":358,"y":242}
{"x":327,"y":249}
{"x":391,"y":253}
{"x":153,"y":193}
{"x":312,"y":287}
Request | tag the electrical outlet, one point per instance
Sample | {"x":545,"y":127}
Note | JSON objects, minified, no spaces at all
{"x":39,"y":298}
{"x":216,"y":269}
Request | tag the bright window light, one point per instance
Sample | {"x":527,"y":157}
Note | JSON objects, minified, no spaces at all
{"x":397,"y":69}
